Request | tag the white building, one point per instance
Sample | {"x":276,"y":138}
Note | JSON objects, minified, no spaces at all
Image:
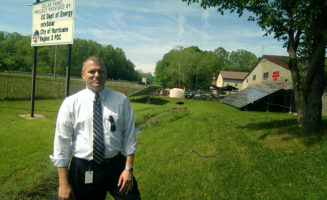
{"x":231,"y":78}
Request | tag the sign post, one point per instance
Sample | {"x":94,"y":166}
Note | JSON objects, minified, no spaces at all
{"x":33,"y":77}
{"x":53,"y":24}
{"x":69,"y":56}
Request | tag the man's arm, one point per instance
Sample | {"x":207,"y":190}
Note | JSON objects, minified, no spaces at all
{"x":65,"y":190}
{"x":62,"y":149}
{"x":129,"y":140}
{"x":125,"y":181}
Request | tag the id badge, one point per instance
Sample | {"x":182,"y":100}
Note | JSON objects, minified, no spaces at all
{"x":88,"y":177}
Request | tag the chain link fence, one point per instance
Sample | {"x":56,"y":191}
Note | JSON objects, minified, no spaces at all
{"x":19,"y":86}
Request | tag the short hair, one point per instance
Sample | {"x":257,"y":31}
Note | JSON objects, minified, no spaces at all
{"x":96,"y":60}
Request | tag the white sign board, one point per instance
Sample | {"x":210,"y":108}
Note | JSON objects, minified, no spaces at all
{"x":53,"y":22}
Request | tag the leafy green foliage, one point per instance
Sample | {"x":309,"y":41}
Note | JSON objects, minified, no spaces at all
{"x":196,"y":69}
{"x":302,"y":26}
{"x":16,"y":54}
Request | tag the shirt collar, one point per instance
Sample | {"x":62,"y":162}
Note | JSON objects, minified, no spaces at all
{"x":91,"y":94}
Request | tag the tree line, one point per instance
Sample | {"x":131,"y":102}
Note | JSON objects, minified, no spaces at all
{"x":190,"y":66}
{"x":16,"y":54}
{"x":194,"y":68}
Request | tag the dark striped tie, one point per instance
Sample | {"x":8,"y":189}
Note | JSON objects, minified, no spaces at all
{"x":98,"y":144}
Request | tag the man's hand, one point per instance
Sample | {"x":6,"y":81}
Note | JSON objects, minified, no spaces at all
{"x":65,"y":191}
{"x":125,"y":181}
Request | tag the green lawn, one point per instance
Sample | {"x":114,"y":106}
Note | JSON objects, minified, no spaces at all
{"x":25,"y":146}
{"x":199,"y":150}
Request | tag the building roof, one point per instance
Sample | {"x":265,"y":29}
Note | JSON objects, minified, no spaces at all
{"x":233,"y":75}
{"x":279,"y":60}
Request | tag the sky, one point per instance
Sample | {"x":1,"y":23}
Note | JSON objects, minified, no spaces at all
{"x":148,"y":29}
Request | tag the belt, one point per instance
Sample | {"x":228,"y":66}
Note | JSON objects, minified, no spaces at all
{"x":112,"y":154}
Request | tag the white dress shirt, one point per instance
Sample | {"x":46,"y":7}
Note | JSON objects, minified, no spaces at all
{"x":74,"y":128}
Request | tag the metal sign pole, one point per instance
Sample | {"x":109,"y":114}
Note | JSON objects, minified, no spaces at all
{"x":33,"y":82}
{"x":69,"y":55}
{"x":33,"y":77}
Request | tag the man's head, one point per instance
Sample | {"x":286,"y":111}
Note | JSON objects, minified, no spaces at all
{"x":94,"y":73}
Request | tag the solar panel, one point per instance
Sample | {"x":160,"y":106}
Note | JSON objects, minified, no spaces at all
{"x":146,"y":90}
{"x":253,"y":93}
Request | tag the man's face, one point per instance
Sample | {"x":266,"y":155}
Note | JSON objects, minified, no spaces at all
{"x":94,"y":75}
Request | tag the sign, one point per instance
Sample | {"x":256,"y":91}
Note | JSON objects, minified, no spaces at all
{"x":275,"y":75}
{"x":53,"y":23}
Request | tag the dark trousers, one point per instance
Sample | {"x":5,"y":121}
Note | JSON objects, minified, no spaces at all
{"x":105,"y":178}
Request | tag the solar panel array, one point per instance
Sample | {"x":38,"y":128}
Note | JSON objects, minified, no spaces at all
{"x":146,"y":90}
{"x":253,"y":93}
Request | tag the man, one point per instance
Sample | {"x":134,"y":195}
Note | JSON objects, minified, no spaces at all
{"x":94,"y":126}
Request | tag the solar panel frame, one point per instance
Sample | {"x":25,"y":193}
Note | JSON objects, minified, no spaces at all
{"x":146,"y":90}
{"x":253,"y":93}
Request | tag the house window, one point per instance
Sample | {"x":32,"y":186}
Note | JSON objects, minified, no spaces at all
{"x":247,"y":80}
{"x":265,"y":75}
{"x":235,"y":84}
{"x":254,"y":77}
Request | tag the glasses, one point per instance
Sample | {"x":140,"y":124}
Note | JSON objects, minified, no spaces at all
{"x":112,"y":124}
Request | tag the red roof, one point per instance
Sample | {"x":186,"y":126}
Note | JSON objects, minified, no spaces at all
{"x":279,"y":60}
{"x":233,"y":75}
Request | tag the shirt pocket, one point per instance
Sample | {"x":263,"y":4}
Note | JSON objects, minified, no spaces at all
{"x":111,"y":122}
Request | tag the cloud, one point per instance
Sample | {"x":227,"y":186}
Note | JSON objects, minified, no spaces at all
{"x":145,"y":67}
{"x":115,"y":20}
{"x":181,"y":20}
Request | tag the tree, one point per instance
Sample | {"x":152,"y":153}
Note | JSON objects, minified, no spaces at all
{"x":239,"y":60}
{"x":302,"y":26}
{"x":189,"y":66}
{"x":242,"y":60}
{"x":16,"y":54}
{"x":222,"y":55}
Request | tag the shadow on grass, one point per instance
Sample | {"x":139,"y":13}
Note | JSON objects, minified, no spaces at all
{"x":154,"y":101}
{"x":288,"y":129}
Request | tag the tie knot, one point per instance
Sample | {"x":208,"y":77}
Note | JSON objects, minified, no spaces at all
{"x":96,"y":97}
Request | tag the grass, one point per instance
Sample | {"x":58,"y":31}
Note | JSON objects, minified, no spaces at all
{"x":26,"y":170}
{"x":255,"y":155}
{"x":198,"y":150}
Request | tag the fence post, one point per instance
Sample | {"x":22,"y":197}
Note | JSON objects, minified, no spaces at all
{"x":7,"y":82}
{"x":36,"y":88}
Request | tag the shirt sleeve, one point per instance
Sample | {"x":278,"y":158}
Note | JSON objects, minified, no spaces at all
{"x":129,"y":132}
{"x":63,"y":136}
